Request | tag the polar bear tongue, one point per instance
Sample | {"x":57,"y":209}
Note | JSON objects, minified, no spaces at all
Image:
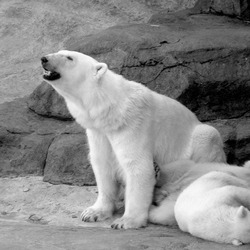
{"x":51,"y":75}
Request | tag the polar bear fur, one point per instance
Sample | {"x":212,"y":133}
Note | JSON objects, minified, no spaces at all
{"x":128,"y":127}
{"x":216,"y":207}
{"x":177,"y":176}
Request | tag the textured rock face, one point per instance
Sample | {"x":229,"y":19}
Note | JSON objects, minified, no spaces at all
{"x":238,"y":8}
{"x":36,"y":145}
{"x":33,"y":28}
{"x":45,"y":101}
{"x":201,"y":60}
{"x":67,"y":161}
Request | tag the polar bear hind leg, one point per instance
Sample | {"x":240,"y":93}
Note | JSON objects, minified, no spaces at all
{"x":207,"y":145}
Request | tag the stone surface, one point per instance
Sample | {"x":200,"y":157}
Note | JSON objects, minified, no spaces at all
{"x":67,"y":161}
{"x":235,"y":133}
{"x":47,"y":217}
{"x":31,"y":144}
{"x":235,"y":8}
{"x":45,"y":101}
{"x":33,"y":28}
{"x":21,"y":236}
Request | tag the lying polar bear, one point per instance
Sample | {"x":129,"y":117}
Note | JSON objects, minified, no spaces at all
{"x":177,"y":176}
{"x":128,"y":127}
{"x":216,"y":207}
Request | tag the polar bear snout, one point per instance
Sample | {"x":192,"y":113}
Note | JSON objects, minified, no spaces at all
{"x":44,"y":60}
{"x":50,"y":73}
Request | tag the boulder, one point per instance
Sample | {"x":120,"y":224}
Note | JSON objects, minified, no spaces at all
{"x":235,"y":133}
{"x":45,"y":101}
{"x":67,"y":161}
{"x":233,"y":8}
{"x":31,"y":144}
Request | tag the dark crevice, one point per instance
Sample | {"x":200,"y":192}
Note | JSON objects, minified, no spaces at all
{"x":49,"y":116}
{"x":242,"y":115}
{"x":46,"y":156}
{"x":19,"y":133}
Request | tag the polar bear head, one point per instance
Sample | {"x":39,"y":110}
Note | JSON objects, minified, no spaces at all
{"x":72,"y":73}
{"x":242,"y":225}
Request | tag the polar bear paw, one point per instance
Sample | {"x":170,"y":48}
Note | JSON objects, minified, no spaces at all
{"x":162,"y":215}
{"x":92,"y":214}
{"x":129,"y":222}
{"x":237,"y":242}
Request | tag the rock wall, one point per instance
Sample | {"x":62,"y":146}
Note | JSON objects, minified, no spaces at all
{"x":32,"y":144}
{"x":202,"y":60}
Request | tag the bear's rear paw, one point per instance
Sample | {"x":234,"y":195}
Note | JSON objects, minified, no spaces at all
{"x":129,"y":222}
{"x":93,"y":214}
{"x":237,"y":243}
{"x":157,"y":216}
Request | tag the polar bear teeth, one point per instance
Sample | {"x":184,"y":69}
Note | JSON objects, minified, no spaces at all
{"x":47,"y":72}
{"x":51,"y":75}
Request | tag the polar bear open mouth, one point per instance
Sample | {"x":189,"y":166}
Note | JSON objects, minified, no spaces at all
{"x":51,"y":75}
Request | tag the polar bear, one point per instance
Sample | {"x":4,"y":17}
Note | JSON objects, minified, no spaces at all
{"x":128,"y":128}
{"x":177,"y":176}
{"x":216,"y":207}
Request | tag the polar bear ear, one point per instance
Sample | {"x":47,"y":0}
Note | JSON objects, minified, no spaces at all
{"x":100,"y":68}
{"x":242,"y":212}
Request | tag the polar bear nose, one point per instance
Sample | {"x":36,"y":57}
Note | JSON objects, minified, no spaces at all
{"x":44,"y":59}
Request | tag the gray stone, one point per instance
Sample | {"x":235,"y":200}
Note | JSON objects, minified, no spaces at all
{"x":23,"y":154}
{"x":45,"y":101}
{"x":242,"y":147}
{"x":235,"y":8}
{"x":231,"y":8}
{"x":21,"y":236}
{"x":36,"y":145}
{"x":235,"y":133}
{"x":24,"y":139}
{"x":67,"y":161}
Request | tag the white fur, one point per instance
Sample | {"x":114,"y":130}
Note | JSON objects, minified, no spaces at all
{"x":216,"y":207}
{"x":175,"y":177}
{"x":128,"y":127}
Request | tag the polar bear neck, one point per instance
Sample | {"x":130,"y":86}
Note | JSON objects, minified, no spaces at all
{"x":118,"y":102}
{"x":109,"y":103}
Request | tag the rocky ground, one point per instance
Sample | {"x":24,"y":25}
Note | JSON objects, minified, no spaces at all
{"x":42,"y":216}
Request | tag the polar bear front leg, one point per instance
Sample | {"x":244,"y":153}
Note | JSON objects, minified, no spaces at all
{"x":140,"y":181}
{"x":102,"y":160}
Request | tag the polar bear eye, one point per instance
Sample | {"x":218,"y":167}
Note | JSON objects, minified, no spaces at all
{"x":70,"y":58}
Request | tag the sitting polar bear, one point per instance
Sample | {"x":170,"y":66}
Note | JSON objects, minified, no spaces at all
{"x":216,"y":207}
{"x":128,"y":128}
